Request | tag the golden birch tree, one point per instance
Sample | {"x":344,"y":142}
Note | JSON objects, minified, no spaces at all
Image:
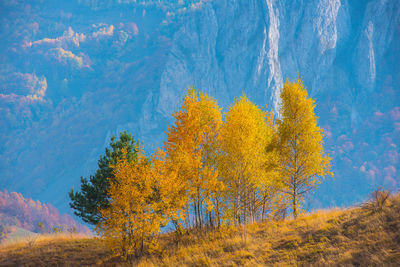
{"x":302,"y":159}
{"x":191,"y":147}
{"x":135,"y":213}
{"x":171,"y":189}
{"x":242,"y":163}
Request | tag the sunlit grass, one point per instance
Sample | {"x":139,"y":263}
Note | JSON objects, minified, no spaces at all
{"x":41,"y":239}
{"x":53,"y":249}
{"x":356,"y":236}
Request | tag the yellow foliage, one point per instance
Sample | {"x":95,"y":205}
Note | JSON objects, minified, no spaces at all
{"x":134,"y":216}
{"x":237,"y":172}
{"x":191,"y":147}
{"x":171,"y":189}
{"x":319,"y":239}
{"x":302,"y":160}
{"x":243,"y":139}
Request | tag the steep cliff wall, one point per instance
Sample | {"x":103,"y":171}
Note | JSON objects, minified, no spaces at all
{"x":74,"y":73}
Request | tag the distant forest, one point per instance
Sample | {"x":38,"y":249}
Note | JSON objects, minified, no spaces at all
{"x":15,"y":210}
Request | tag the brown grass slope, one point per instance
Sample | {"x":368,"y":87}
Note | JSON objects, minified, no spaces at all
{"x":362,"y":236}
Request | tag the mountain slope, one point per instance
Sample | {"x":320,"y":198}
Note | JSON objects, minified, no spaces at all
{"x":21,"y":217}
{"x":74,"y":73}
{"x":351,"y":237}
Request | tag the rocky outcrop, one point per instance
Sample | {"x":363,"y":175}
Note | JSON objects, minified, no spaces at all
{"x":125,"y":65}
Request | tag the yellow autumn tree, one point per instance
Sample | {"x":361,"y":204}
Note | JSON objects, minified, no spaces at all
{"x":243,"y":160}
{"x":191,"y":147}
{"x":302,"y":159}
{"x":171,"y":189}
{"x":273,"y":204}
{"x":135,"y":213}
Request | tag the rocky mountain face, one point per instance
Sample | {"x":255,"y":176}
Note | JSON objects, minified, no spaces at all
{"x":74,"y":73}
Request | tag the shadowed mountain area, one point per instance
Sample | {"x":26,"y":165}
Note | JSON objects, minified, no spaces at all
{"x":73,"y":73}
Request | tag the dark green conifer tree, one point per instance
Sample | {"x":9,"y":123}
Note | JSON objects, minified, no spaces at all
{"x":93,"y":194}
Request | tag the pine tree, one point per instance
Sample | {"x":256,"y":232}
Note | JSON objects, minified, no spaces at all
{"x":93,"y":196}
{"x":135,"y":212}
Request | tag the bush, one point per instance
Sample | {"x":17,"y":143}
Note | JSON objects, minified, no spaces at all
{"x":380,"y":198}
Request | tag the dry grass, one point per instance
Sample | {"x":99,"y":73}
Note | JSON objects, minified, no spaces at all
{"x":352,"y":237}
{"x":53,"y":250}
{"x":38,"y":239}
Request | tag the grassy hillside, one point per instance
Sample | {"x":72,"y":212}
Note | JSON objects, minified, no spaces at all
{"x":358,"y":236}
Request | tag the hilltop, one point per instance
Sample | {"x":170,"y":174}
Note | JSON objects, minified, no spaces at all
{"x":363,"y":235}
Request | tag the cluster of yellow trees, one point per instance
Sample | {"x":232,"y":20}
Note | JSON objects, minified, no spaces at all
{"x":212,"y":171}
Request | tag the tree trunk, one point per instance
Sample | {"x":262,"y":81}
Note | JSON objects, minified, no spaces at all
{"x":263,"y":207}
{"x":217,"y":213}
{"x":294,"y":203}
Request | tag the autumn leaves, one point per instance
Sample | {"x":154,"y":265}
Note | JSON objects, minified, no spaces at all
{"x":192,"y":151}
{"x":301,"y":160}
{"x":214,"y":171}
{"x":243,"y":161}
